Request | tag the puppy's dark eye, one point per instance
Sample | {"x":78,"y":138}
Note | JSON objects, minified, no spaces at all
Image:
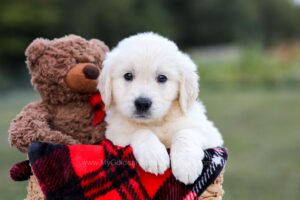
{"x":128,"y":76}
{"x":161,"y":78}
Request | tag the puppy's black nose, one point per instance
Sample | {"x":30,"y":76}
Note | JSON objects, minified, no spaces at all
{"x":142,"y":104}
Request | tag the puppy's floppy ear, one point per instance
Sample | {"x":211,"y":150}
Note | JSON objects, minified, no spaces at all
{"x":189,"y":89}
{"x":104,"y":85}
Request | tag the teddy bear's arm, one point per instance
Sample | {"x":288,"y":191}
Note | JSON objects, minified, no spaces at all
{"x":31,"y":124}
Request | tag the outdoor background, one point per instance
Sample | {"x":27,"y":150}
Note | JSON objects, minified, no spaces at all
{"x":248,"y":53}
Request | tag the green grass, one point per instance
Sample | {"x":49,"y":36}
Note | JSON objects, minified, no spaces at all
{"x":10,"y":105}
{"x":251,"y":65}
{"x":261,"y":130}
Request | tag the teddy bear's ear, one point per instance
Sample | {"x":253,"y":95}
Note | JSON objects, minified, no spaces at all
{"x":35,"y":50}
{"x":98,"y":44}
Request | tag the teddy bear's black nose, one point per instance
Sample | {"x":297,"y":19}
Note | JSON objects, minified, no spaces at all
{"x":91,"y":72}
{"x":142,"y":104}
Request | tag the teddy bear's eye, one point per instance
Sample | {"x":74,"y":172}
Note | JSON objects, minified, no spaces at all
{"x":128,"y":76}
{"x":161,"y":78}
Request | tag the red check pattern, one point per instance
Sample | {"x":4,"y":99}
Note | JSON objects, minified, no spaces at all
{"x":105,"y":171}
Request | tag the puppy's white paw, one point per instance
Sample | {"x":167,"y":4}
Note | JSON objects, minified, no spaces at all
{"x":186,"y":156}
{"x":150,"y":153}
{"x":186,"y":167}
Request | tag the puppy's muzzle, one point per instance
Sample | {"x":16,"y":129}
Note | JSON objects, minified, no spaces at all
{"x":142,"y":104}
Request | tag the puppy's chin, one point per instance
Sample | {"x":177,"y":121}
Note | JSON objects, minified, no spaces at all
{"x":154,"y":115}
{"x":144,"y":118}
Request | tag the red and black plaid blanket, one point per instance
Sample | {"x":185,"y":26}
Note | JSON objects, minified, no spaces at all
{"x":105,"y":171}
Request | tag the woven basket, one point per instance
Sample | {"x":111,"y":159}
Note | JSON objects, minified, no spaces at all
{"x":215,"y":190}
{"x":34,"y":191}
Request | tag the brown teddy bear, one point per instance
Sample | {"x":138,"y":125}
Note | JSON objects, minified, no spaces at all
{"x":64,"y":71}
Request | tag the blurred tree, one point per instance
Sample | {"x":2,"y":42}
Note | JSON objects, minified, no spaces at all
{"x":112,"y":20}
{"x":203,"y":22}
{"x":20,"y":22}
{"x":280,"y":20}
{"x":189,"y":23}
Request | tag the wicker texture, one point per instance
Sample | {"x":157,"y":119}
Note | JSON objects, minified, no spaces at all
{"x":215,"y":190}
{"x":33,"y":190}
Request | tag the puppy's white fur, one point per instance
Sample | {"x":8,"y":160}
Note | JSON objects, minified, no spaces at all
{"x":175,"y":120}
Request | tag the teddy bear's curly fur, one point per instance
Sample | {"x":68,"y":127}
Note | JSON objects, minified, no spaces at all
{"x":64,"y":71}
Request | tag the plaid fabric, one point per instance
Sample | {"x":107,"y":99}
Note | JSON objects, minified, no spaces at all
{"x":105,"y":171}
{"x":96,"y":102}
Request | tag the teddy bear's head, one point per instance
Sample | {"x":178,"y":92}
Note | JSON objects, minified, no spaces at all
{"x":65,"y":69}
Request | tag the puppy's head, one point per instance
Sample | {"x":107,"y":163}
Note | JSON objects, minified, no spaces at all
{"x":144,"y":75}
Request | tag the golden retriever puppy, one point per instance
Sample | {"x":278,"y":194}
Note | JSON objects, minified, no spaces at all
{"x":150,"y":91}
